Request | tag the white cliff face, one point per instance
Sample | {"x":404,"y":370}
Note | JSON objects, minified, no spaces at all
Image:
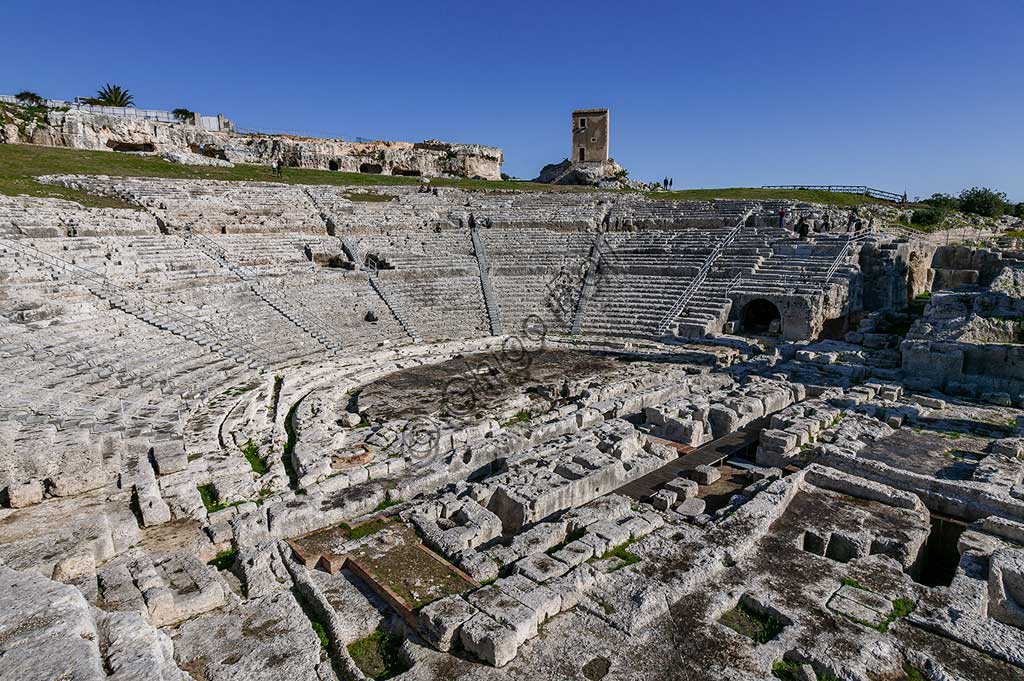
{"x":84,"y":130}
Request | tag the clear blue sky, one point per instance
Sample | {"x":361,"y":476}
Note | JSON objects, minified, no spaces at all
{"x":924,"y":95}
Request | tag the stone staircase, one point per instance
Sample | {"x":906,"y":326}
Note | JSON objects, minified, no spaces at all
{"x":389,"y":300}
{"x":305,"y":320}
{"x":589,"y":284}
{"x":490,"y":296}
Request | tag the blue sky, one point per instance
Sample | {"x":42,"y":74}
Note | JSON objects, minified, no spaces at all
{"x":923,"y":96}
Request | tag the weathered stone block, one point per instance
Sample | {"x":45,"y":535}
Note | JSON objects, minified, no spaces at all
{"x":705,"y":475}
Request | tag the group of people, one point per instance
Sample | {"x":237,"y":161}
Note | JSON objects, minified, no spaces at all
{"x":854,"y":223}
{"x":276,"y":168}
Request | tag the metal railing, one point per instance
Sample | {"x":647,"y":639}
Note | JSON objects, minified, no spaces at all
{"x":843,"y":189}
{"x":210,"y":123}
{"x":124,"y":297}
{"x":271,"y":295}
{"x":311,"y":134}
{"x":702,"y":274}
{"x":844,"y":252}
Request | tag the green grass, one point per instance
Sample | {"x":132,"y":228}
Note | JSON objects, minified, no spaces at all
{"x":366,"y":529}
{"x":854,"y":583}
{"x":224,"y":560}
{"x":787,"y":671}
{"x":21,"y":163}
{"x":754,"y":193}
{"x":387,"y":503}
{"x":321,"y":633}
{"x":901,"y":607}
{"x":252,"y":455}
{"x":521,"y":417}
{"x":209,"y":497}
{"x":377,"y":655}
{"x":622,"y":554}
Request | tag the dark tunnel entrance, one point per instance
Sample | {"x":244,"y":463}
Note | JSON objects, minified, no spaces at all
{"x":759,"y":315}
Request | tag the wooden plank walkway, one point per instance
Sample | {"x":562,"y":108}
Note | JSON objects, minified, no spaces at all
{"x":711,"y":454}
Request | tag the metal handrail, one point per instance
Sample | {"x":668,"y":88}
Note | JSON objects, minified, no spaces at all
{"x":248,"y":274}
{"x":698,"y":280}
{"x":156,"y":307}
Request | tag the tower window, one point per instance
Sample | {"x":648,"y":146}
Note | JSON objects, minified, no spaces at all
{"x":583,"y":124}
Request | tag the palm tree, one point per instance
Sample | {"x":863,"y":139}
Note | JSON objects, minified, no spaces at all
{"x":112,"y":95}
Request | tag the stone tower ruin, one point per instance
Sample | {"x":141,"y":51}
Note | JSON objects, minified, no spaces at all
{"x":589,"y":135}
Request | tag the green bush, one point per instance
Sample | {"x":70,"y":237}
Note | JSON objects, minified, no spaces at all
{"x":29,"y":98}
{"x":983,"y":201}
{"x":943,"y":201}
{"x":1018,"y":210}
{"x":928,"y":216}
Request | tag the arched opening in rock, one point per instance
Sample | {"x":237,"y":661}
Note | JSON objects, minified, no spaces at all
{"x":408,"y":172}
{"x":332,"y":165}
{"x":371,"y":168}
{"x":208,"y":150}
{"x":759,"y":315}
{"x":130,"y":146}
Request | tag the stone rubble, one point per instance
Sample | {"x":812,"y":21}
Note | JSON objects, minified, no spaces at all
{"x":256,"y":429}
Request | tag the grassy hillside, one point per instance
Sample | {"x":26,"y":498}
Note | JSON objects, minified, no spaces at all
{"x":21,"y":163}
{"x":832,"y":198}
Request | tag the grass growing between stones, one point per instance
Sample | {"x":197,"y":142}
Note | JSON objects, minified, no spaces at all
{"x":760,"y":628}
{"x":209,"y":496}
{"x":224,"y":560}
{"x":521,"y":417}
{"x":790,"y":671}
{"x":366,"y":529}
{"x":621,"y":553}
{"x":252,"y":455}
{"x":386,"y":504}
{"x":321,"y":633}
{"x":569,"y":538}
{"x":377,"y":655}
{"x":787,"y":671}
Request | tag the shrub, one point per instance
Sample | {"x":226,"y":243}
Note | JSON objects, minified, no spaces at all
{"x":943,"y":201}
{"x":983,"y":201}
{"x":1018,"y":210}
{"x":29,"y":98}
{"x":928,"y":216}
{"x":184,"y":115}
